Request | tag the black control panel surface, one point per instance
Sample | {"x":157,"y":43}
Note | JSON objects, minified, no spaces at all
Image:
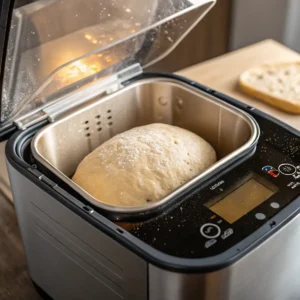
{"x":192,"y":229}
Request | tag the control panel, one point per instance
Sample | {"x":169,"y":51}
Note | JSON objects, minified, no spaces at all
{"x":215,"y":217}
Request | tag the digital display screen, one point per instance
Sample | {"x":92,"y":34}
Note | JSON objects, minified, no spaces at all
{"x":241,"y":200}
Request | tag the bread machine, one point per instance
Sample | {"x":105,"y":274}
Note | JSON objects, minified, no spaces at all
{"x":72,"y":77}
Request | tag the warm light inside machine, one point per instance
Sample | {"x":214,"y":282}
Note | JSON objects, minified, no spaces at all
{"x":68,"y":71}
{"x":87,"y":66}
{"x":79,"y":70}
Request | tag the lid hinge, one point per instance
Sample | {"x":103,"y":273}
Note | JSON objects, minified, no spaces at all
{"x":106,"y":86}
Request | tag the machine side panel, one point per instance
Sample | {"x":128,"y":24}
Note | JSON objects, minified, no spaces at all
{"x":67,"y":257}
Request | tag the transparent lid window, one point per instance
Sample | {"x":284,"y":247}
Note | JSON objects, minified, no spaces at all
{"x":57,"y":46}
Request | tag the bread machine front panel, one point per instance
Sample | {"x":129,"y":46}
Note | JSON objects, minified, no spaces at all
{"x":269,"y":272}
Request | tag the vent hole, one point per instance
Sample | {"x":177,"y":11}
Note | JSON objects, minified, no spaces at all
{"x":120,"y":230}
{"x":98,"y":123}
{"x":109,"y":117}
{"x":88,"y":135}
{"x":88,"y":209}
{"x":86,"y":122}
{"x":110,"y":123}
{"x":87,"y":128}
{"x":99,"y":129}
{"x":98,"y":117}
{"x":109,"y":111}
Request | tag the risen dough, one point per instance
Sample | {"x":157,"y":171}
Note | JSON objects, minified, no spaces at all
{"x":143,"y":165}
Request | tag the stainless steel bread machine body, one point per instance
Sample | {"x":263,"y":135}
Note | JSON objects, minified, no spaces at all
{"x":186,"y":247}
{"x":68,"y":241}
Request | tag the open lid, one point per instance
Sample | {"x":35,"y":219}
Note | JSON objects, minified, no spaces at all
{"x":55,"y":47}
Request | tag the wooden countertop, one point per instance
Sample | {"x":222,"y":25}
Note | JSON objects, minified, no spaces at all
{"x":220,"y":74}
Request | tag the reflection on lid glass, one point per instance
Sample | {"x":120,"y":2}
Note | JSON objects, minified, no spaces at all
{"x":56,"y":46}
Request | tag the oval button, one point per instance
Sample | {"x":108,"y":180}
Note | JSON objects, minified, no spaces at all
{"x":275,"y":205}
{"x":260,"y":216}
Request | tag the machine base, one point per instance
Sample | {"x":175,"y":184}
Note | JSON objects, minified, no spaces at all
{"x":41,"y":292}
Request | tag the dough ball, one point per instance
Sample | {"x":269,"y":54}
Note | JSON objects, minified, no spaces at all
{"x":143,"y":165}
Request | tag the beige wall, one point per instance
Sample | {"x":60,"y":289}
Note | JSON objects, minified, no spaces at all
{"x":292,"y":29}
{"x":257,"y":20}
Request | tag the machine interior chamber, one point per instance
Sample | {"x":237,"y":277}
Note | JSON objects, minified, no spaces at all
{"x":62,"y":145}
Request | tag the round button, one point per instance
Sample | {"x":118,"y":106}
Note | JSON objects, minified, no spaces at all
{"x":260,"y":216}
{"x":210,"y":230}
{"x":287,"y":169}
{"x":274,"y":205}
